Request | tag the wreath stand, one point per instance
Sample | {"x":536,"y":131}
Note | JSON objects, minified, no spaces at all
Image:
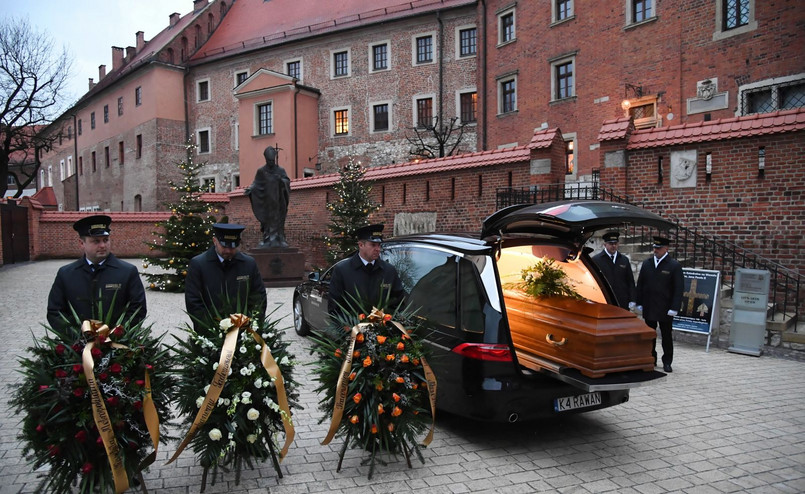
{"x":238,"y":466}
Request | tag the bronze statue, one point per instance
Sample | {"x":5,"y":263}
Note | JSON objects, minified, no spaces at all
{"x":269,"y":195}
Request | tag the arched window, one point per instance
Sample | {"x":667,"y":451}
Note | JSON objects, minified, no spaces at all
{"x":184,"y":49}
{"x":170,"y":55}
{"x":138,"y":202}
{"x":198,"y":36}
{"x":210,"y":23}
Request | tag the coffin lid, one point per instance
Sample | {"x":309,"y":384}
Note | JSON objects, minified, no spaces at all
{"x":575,"y":221}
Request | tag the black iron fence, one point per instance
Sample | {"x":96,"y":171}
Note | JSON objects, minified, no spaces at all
{"x":693,"y":248}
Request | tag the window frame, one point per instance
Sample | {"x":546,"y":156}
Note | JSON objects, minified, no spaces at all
{"x":120,"y":106}
{"x":121,"y":152}
{"x":138,"y":146}
{"x":333,"y":124}
{"x":459,"y":45}
{"x":459,"y":109}
{"x":199,"y":132}
{"x":286,"y":63}
{"x":555,"y":11}
{"x":501,"y":15}
{"x":237,"y":73}
{"x":208,"y":85}
{"x":772,"y":85}
{"x":371,"y":54}
{"x":204,"y":179}
{"x":501,"y":108}
{"x":415,"y":109}
{"x":92,"y":121}
{"x":372,"y":126}
{"x":556,"y":63}
{"x":106,"y":114}
{"x":333,"y":54}
{"x":415,"y":49}
{"x":720,"y":32}
{"x":257,"y":118}
{"x":138,"y":96}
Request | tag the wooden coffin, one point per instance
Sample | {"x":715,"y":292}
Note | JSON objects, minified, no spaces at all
{"x":594,"y":338}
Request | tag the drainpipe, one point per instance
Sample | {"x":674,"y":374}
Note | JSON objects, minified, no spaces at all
{"x":482,"y":59}
{"x":295,"y":133}
{"x":186,"y":112}
{"x":441,"y":67}
{"x":75,"y":156}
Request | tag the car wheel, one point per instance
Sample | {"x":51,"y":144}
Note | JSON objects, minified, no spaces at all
{"x":299,"y":324}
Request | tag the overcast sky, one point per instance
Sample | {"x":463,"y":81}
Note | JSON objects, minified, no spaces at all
{"x":89,"y":28}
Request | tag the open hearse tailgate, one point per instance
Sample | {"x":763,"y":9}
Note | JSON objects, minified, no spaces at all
{"x":610,"y":382}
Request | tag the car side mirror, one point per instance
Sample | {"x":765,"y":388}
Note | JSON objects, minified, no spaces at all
{"x":314,"y":276}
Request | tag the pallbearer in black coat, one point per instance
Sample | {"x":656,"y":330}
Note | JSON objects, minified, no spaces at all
{"x":223,"y":274}
{"x":99,"y":285}
{"x":659,"y":295}
{"x":365,"y":276}
{"x":617,"y":270}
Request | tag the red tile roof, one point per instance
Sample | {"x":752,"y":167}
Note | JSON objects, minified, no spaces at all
{"x":129,"y":217}
{"x":614,"y":129}
{"x":450,"y":163}
{"x":251,"y":24}
{"x":717,"y":130}
{"x":543,"y":139}
{"x":45,"y":196}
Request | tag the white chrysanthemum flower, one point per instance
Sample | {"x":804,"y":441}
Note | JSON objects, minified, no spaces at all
{"x":230,"y":372}
{"x":258,"y":347}
{"x":251,"y":438}
{"x":199,"y":401}
{"x":245,"y":396}
{"x":206,"y":388}
{"x":243,"y":349}
{"x":226,"y":324}
{"x":215,"y":435}
{"x":244,"y":371}
{"x":285,"y":360}
{"x":215,"y":366}
{"x":227,"y":401}
{"x":252,"y":414}
{"x":258,"y":383}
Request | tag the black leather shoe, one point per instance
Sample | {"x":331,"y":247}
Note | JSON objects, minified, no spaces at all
{"x":667,"y":368}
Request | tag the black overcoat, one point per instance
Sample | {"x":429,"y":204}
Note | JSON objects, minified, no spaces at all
{"x":210,"y":284}
{"x":350,"y":278}
{"x":660,"y":289}
{"x":619,"y":275}
{"x":114,"y":289}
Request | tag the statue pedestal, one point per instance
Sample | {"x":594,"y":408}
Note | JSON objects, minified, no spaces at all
{"x":280,"y":266}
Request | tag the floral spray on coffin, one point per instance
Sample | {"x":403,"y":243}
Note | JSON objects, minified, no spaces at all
{"x":379,"y":390}
{"x":94,"y":402}
{"x":236,"y":393}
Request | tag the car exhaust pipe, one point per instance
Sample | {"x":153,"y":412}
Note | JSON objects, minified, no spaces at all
{"x":513,"y":416}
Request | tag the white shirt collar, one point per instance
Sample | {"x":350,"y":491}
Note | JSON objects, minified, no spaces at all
{"x":658,"y":261}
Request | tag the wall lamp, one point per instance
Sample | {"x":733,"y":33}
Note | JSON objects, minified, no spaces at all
{"x":636,"y":92}
{"x":318,"y":165}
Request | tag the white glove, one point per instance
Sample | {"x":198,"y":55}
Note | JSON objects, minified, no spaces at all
{"x":672,"y":313}
{"x":632,"y":305}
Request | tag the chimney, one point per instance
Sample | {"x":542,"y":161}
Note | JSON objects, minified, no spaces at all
{"x":140,"y":41}
{"x":174,"y":18}
{"x":199,"y":4}
{"x":130,"y":52}
{"x":117,"y":57}
{"x":101,"y":72}
{"x":91,"y":83}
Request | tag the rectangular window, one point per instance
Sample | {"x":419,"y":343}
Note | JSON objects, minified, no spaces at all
{"x":79,"y":127}
{"x":139,"y":153}
{"x":341,"y":64}
{"x":92,"y":120}
{"x":570,"y":158}
{"x":341,"y":119}
{"x":736,"y":13}
{"x":94,"y":162}
{"x":240,"y":77}
{"x":641,"y":10}
{"x":772,"y":97}
{"x":564,"y":80}
{"x":105,"y":113}
{"x":208,"y":184}
{"x":469,"y":104}
{"x":265,"y":119}
{"x":380,"y":57}
{"x":80,"y":165}
{"x":121,"y":152}
{"x":120,"y":106}
{"x":506,"y":31}
{"x":381,"y":117}
{"x":294,"y":69}
{"x":467,"y":42}
{"x":508,"y":95}
{"x":564,"y":9}
{"x":203,"y":141}
{"x":138,"y":96}
{"x":107,"y":161}
{"x":424,"y":49}
{"x":203,"y":91}
{"x":424,"y":112}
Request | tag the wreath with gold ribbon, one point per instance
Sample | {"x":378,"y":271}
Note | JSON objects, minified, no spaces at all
{"x":94,"y":402}
{"x":236,"y":392}
{"x":379,"y":391}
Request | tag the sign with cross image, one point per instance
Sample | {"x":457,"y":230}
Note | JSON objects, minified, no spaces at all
{"x":699,"y":302}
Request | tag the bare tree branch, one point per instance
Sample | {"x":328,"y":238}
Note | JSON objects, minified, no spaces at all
{"x":436,"y":141}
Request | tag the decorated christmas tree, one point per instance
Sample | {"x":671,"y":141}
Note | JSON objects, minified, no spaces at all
{"x":349,"y":211}
{"x":185,"y":234}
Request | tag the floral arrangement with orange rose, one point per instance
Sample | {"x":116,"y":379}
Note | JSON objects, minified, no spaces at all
{"x":89,"y":399}
{"x":379,"y":392}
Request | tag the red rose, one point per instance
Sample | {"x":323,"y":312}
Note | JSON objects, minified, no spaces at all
{"x":78,"y":369}
{"x":77,"y":348}
{"x":138,"y":405}
{"x":149,"y":366}
{"x":86,"y":468}
{"x":117,"y":332}
{"x":96,"y":352}
{"x":53,"y":450}
{"x":140,"y":382}
{"x":78,"y":392}
{"x":115,"y":368}
{"x":40,"y":428}
{"x":99,"y":441}
{"x":81,"y":436}
{"x":103,"y":376}
{"x":113,"y":401}
{"x":60,"y":373}
{"x":60,"y":349}
{"x":43,"y":387}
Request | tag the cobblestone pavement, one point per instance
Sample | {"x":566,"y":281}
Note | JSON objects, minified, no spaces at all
{"x":721,"y":423}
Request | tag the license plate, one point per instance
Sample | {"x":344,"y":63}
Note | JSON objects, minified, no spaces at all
{"x":574,"y":402}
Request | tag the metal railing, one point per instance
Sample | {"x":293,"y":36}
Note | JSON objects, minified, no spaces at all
{"x":693,"y":248}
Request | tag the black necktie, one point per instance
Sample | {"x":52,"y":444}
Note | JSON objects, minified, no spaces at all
{"x":369,"y":267}
{"x":613,"y":258}
{"x":226,"y":263}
